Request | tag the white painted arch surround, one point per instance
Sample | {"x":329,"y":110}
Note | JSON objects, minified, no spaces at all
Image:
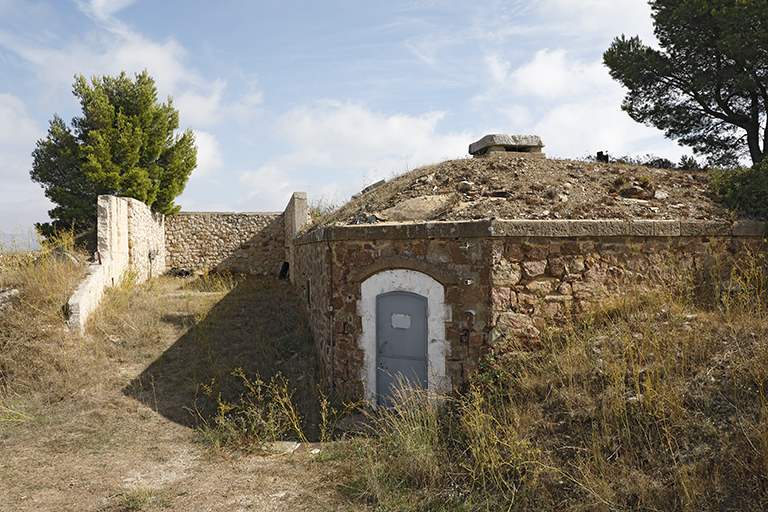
{"x":403,"y":280}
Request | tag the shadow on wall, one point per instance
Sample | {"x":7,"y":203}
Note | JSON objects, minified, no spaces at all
{"x":262,"y":254}
{"x":260,"y":327}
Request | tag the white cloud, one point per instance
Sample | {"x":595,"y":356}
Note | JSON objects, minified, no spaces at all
{"x":552,"y":75}
{"x":332,"y":132}
{"x":17,"y":128}
{"x":353,"y":144}
{"x":102,"y":11}
{"x":209,"y":158}
{"x":270,"y":188}
{"x":595,"y":18}
{"x":208,"y":108}
{"x":576,"y":129}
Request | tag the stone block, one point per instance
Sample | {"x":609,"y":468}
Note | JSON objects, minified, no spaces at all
{"x":476,"y":339}
{"x":564,"y":298}
{"x":500,"y":298}
{"x":597,"y":228}
{"x":583,"y":289}
{"x":506,"y":274}
{"x":641,"y":228}
{"x":542,"y":286}
{"x":518,"y":143}
{"x":438,"y":253}
{"x":557,"y":267}
{"x":555,"y":228}
{"x":516,"y":228}
{"x":666,"y":228}
{"x":533,"y":269}
{"x":517,"y":324}
{"x":704,"y":228}
{"x":459,"y":229}
{"x":749,"y":228}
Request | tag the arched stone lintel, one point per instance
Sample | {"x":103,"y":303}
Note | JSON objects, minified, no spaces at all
{"x":394,"y":263}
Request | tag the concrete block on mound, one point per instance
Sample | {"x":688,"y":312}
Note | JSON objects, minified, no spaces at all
{"x":508,"y":145}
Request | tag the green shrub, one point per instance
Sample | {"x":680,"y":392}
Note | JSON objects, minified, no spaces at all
{"x":744,"y":189}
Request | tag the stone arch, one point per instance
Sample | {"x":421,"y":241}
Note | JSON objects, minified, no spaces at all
{"x":438,"y":314}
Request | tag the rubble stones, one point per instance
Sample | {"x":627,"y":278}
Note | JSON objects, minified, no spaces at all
{"x":520,"y":189}
{"x":6,"y":297}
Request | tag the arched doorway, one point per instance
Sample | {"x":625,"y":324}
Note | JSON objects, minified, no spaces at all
{"x":406,"y":334}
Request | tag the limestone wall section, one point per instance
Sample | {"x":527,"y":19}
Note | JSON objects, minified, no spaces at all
{"x":146,"y":240}
{"x":130,"y":238}
{"x":235,"y":242}
{"x":503,"y":279}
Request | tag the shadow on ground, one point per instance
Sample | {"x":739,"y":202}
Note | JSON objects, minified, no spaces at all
{"x":260,"y":326}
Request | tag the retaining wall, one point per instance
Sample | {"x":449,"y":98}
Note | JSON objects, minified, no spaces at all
{"x":235,"y":242}
{"x":502,"y":279}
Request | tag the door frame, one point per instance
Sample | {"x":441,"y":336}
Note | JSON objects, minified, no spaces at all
{"x":438,"y":313}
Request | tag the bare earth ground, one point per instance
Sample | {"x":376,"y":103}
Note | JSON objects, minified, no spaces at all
{"x":114,"y":446}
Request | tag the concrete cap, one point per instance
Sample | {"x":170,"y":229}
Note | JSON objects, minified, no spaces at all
{"x":517,"y":141}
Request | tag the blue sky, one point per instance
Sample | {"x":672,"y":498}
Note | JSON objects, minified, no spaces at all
{"x":322,"y":96}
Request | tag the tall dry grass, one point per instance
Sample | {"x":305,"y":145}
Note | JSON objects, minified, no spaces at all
{"x":37,"y":354}
{"x":656,"y":401}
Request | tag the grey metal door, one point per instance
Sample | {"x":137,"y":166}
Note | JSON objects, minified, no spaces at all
{"x":401,"y":342}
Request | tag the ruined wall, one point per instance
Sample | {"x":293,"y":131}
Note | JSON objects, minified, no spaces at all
{"x":130,"y":238}
{"x":236,"y":242}
{"x":146,"y":240}
{"x":502,"y":279}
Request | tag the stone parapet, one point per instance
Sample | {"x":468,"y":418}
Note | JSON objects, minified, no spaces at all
{"x":535,"y":228}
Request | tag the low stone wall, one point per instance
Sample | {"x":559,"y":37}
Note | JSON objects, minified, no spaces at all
{"x":236,"y":242}
{"x":502,"y":279}
{"x":130,"y":238}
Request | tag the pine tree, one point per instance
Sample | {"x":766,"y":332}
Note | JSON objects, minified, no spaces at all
{"x":707,"y":84}
{"x":124,"y":144}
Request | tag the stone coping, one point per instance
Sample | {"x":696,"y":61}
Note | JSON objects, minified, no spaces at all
{"x":533,"y":228}
{"x":224,"y":213}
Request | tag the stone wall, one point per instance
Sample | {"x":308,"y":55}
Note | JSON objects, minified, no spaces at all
{"x":235,"y":242}
{"x":146,"y":240}
{"x":130,"y":238}
{"x":502,"y":279}
{"x":309,"y":273}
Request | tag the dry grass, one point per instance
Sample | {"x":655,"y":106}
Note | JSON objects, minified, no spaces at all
{"x":655,"y":402}
{"x":108,"y":420}
{"x":37,"y":354}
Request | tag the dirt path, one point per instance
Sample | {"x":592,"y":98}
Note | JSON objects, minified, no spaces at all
{"x":111,"y":448}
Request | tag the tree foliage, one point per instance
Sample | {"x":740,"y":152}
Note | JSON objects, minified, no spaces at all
{"x":707,"y":85}
{"x":124,"y":144}
{"x":744,"y":189}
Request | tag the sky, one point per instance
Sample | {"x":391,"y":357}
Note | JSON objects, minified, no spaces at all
{"x":323,"y":96}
